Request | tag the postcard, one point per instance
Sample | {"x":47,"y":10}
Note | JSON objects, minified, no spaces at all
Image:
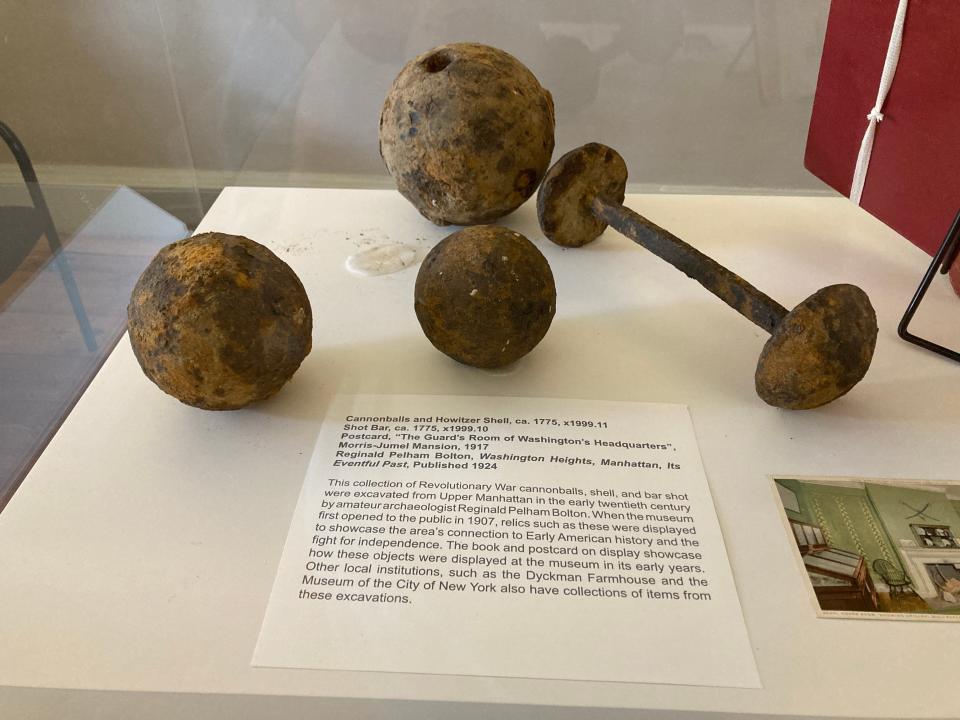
{"x":876,"y":548}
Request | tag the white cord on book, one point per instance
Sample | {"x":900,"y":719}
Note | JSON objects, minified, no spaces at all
{"x":875,"y":116}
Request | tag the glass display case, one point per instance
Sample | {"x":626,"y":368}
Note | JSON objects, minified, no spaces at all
{"x":139,"y":536}
{"x":840,"y":578}
{"x":135,"y":115}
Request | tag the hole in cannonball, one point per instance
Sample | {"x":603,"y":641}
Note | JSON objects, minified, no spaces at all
{"x":437,"y":62}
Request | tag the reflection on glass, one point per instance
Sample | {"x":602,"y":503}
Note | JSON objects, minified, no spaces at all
{"x":136,"y":115}
{"x":62,"y":304}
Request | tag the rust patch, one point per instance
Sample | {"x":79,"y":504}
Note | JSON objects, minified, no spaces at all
{"x":526,"y":181}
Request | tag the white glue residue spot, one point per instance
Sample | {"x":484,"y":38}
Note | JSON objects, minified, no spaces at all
{"x":383,"y":259}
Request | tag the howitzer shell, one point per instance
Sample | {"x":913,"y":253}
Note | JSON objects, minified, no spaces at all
{"x":466,"y":131}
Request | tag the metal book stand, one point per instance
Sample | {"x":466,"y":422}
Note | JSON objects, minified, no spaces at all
{"x":942,"y":261}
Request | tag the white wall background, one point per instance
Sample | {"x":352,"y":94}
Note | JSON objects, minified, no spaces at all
{"x":197,"y":94}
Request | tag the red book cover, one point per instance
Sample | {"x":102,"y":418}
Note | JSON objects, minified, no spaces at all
{"x":913,"y":180}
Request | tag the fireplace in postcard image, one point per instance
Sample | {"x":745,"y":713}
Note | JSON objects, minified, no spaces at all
{"x":924,"y":523}
{"x":946,"y":578}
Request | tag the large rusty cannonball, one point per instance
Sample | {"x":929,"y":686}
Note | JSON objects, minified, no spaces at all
{"x":466,"y":132}
{"x":485,"y":296}
{"x":218,"y":321}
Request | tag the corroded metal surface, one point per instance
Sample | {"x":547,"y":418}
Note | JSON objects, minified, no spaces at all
{"x":485,"y":296}
{"x":820,"y":350}
{"x":466,"y":131}
{"x":817,"y":352}
{"x":564,"y":202}
{"x":726,"y":285}
{"x":218,"y":321}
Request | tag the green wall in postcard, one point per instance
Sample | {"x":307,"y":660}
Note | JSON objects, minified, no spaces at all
{"x":900,"y":507}
{"x":796,"y":487}
{"x":848,"y":521}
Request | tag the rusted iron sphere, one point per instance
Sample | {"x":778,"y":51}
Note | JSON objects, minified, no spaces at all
{"x":485,"y":296}
{"x":817,"y":352}
{"x":218,"y":321}
{"x":466,"y":131}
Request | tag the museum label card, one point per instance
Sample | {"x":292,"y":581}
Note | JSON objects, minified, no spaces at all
{"x":513,"y":537}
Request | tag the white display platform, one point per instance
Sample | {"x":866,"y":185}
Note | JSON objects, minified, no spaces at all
{"x":137,"y":558}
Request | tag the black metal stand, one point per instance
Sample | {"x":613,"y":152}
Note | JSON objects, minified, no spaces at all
{"x":50,"y":231}
{"x":942,"y":261}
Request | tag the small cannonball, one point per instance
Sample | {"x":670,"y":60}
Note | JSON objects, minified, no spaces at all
{"x":218,"y":321}
{"x":485,"y":296}
{"x":466,"y":132}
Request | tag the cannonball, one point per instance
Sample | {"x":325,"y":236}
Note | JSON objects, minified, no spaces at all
{"x":466,"y":132}
{"x":955,"y":275}
{"x":485,"y":296}
{"x":218,"y":321}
